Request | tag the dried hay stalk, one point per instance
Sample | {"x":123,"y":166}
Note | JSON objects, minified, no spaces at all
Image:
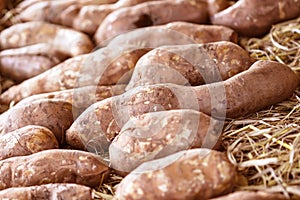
{"x":265,"y":146}
{"x":282,"y":44}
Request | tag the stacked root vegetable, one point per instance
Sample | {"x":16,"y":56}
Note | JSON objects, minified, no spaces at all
{"x":150,"y":99}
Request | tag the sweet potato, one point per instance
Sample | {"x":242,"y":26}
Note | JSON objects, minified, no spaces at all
{"x":103,"y":120}
{"x":203,"y":33}
{"x":50,"y":10}
{"x":25,"y":62}
{"x":128,"y":3}
{"x":53,"y":166}
{"x":24,"y":34}
{"x":20,"y":68}
{"x":235,"y":97}
{"x":215,"y":6}
{"x":49,"y":191}
{"x":25,"y":141}
{"x":149,"y":14}
{"x":248,"y":195}
{"x":26,"y":3}
{"x":191,"y":64}
{"x":53,"y":114}
{"x":44,"y":49}
{"x":159,"y":134}
{"x":192,"y":174}
{"x":120,"y":69}
{"x":81,"y":98}
{"x":106,"y":66}
{"x":174,"y":33}
{"x":274,"y":82}
{"x":255,"y":17}
{"x":60,"y":77}
{"x":88,"y":18}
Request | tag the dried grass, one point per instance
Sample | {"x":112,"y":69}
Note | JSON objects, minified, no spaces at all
{"x":282,"y":44}
{"x":106,"y":191}
{"x":265,"y":146}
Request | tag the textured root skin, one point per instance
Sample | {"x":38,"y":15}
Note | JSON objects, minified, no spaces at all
{"x":51,"y":11}
{"x":203,"y":33}
{"x":53,"y":166}
{"x":66,"y":75}
{"x":13,"y":67}
{"x":215,"y":6}
{"x":43,"y":49}
{"x":159,"y":134}
{"x":191,"y":64}
{"x":88,"y":18}
{"x":174,"y":33}
{"x":48,"y":191}
{"x":53,"y":114}
{"x":23,"y":63}
{"x":273,"y":81}
{"x":111,"y":114}
{"x":29,"y":33}
{"x":149,"y":14}
{"x":113,"y":69}
{"x":51,"y":80}
{"x":264,"y":84}
{"x":80,"y":98}
{"x":205,"y":174}
{"x":27,"y":140}
{"x":254,"y":17}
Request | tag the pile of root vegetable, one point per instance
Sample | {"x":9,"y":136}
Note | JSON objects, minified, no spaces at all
{"x":150,"y":99}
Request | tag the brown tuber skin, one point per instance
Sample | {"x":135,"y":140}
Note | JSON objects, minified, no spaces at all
{"x":250,"y":195}
{"x":53,"y":166}
{"x":102,"y":121}
{"x":149,"y":14}
{"x":48,"y":11}
{"x":22,"y":63}
{"x":55,"y":115}
{"x":274,"y":82}
{"x":80,"y":98}
{"x":159,"y":134}
{"x":68,"y":191}
{"x":51,"y":10}
{"x":174,"y":33}
{"x":103,"y":67}
{"x":44,"y":49}
{"x":88,"y":18}
{"x":191,"y":174}
{"x":235,"y":97}
{"x":20,"y":68}
{"x":29,"y":33}
{"x":191,"y":64}
{"x":26,"y":3}
{"x":25,"y":141}
{"x":203,"y":33}
{"x":215,"y":6}
{"x":255,"y":17}
{"x":115,"y":62}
